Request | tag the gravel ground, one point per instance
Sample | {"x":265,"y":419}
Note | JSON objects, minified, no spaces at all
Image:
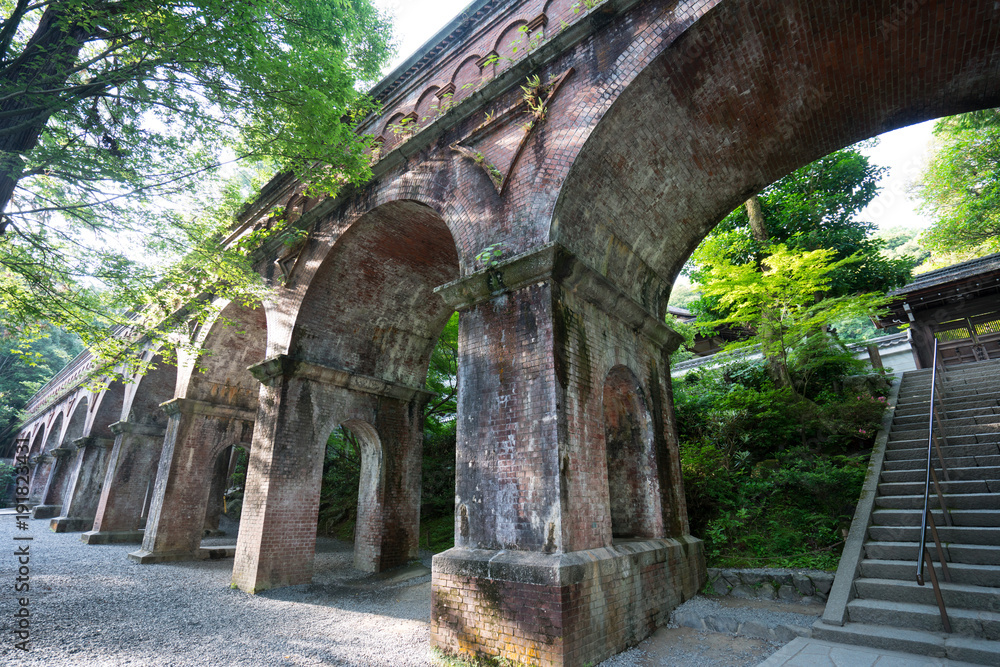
{"x":90,"y":605}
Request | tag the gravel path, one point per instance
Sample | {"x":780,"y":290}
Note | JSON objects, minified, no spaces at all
{"x":90,"y":605}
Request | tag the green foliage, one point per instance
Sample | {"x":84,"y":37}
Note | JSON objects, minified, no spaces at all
{"x":812,"y":208}
{"x":960,"y":187}
{"x":28,"y":359}
{"x":771,"y":475}
{"x":116,"y":118}
{"x":780,"y":303}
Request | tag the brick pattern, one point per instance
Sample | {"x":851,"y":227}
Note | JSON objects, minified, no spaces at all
{"x":191,"y":446}
{"x":277,"y":537}
{"x":131,"y":470}
{"x":581,"y":608}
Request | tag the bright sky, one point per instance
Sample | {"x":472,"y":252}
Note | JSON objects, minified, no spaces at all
{"x":903,"y":151}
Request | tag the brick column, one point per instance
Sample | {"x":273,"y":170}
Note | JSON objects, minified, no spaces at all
{"x":42,"y":469}
{"x":128,"y":480}
{"x":55,"y":487}
{"x":300,"y":404}
{"x":535,"y":575}
{"x":196,"y":433}
{"x":84,"y":490}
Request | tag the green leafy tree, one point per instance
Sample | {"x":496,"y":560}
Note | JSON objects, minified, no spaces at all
{"x":780,"y":302}
{"x":960,"y":188}
{"x":813,"y":207}
{"x":26,"y":363}
{"x":111,"y":114}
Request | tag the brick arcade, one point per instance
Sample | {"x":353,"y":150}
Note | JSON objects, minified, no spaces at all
{"x":588,"y":187}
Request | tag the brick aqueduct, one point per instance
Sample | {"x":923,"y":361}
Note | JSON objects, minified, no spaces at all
{"x":648,"y":121}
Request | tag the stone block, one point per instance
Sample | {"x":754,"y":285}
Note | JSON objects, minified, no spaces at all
{"x":725,"y":624}
{"x":756,"y":630}
{"x":803,"y":583}
{"x":743,"y":592}
{"x":766,"y":591}
{"x":823,"y":581}
{"x":788,"y":594}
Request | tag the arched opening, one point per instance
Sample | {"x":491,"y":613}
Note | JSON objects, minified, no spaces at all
{"x":633,"y":481}
{"x":701,"y":128}
{"x":215,"y":408}
{"x":225,"y":493}
{"x":358,"y":357}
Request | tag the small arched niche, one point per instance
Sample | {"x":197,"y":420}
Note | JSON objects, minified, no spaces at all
{"x":633,"y":481}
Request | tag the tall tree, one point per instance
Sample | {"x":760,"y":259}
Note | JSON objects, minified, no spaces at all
{"x":111,"y":111}
{"x":814,"y":207}
{"x":960,"y":187}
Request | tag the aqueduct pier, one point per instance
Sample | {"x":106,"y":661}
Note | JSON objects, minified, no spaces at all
{"x":648,"y":121}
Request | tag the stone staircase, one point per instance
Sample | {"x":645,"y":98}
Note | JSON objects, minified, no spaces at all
{"x":876,"y":601}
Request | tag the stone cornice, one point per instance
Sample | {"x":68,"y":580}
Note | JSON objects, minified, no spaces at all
{"x":552,"y":262}
{"x":134,"y":428}
{"x":61,"y":452}
{"x":193,"y":406}
{"x":271,"y":371}
{"x":93,"y":441}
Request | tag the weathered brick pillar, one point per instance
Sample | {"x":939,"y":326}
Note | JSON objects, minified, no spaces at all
{"x":300,"y":404}
{"x":84,"y":490}
{"x":196,"y":432}
{"x":55,"y":487}
{"x":42,"y":469}
{"x":535,"y":575}
{"x":129,"y":478}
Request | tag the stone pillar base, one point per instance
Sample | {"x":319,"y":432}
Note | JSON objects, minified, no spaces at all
{"x":112,"y":537}
{"x":66,"y":524}
{"x":144,"y":557}
{"x":566,"y":609}
{"x":46,"y":511}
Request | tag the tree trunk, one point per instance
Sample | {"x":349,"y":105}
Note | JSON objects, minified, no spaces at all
{"x":771,"y":321}
{"x":757,"y":225}
{"x":44,"y":64}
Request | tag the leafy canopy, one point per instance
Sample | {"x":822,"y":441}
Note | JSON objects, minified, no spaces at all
{"x":814,"y":207}
{"x":113,"y":113}
{"x":960,"y":188}
{"x":780,"y":303}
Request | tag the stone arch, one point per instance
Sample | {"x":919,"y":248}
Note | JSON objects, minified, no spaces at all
{"x":64,"y":454}
{"x":77,"y":424}
{"x":106,"y":410}
{"x":560,"y":11}
{"x":390,"y":131}
{"x":632,"y":476}
{"x":695,"y":130}
{"x":372,"y":302}
{"x":510,"y":38}
{"x":216,"y":405}
{"x":467,"y":76}
{"x":428,"y":107}
{"x":231,"y":342}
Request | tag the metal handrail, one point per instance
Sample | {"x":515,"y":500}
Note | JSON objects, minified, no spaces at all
{"x":923,"y":554}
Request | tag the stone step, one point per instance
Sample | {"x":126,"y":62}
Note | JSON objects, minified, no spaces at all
{"x":972,"y":474}
{"x":949,"y":452}
{"x":970,"y":554}
{"x":964,"y":518}
{"x":955,"y":595}
{"x":938,"y":645}
{"x":919,"y":410}
{"x":953,"y":501}
{"x":956,"y":393}
{"x":991,"y":460}
{"x":914,"y":432}
{"x":956,"y":486}
{"x":906,"y":570}
{"x":973,"y":623}
{"x":988,"y":535}
{"x":958,"y":419}
{"x":904,"y":441}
